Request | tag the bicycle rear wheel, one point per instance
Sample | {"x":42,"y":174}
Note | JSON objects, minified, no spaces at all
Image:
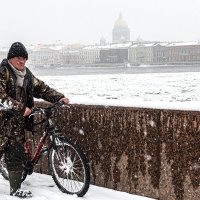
{"x":69,"y":167}
{"x":4,"y":171}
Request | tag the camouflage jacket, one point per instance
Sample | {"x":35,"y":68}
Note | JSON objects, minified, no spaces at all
{"x":33,"y":87}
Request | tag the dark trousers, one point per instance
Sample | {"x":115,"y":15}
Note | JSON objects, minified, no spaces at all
{"x":15,"y":158}
{"x":15,"y":154}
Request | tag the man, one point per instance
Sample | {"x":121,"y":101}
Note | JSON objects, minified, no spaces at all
{"x":18,"y":87}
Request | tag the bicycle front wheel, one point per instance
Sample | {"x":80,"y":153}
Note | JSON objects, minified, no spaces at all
{"x":69,"y":167}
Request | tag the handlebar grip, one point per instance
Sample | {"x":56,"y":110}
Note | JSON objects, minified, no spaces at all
{"x":59,"y":104}
{"x":36,"y":110}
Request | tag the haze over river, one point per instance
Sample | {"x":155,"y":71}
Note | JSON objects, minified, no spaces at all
{"x":82,"y":70}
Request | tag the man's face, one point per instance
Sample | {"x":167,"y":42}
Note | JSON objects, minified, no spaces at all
{"x":18,"y":63}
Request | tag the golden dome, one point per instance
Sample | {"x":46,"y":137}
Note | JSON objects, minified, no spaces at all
{"x":120,"y":22}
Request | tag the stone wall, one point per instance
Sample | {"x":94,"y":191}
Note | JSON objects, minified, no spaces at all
{"x":148,"y":152}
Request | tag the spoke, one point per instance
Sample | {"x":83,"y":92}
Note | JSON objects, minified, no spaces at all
{"x":66,"y":180}
{"x":70,"y":183}
{"x":63,"y":172}
{"x":74,"y":160}
{"x":80,"y":183}
{"x":74,"y":182}
{"x":69,"y":153}
{"x":78,"y":177}
{"x":78,"y":161}
{"x":80,"y":174}
{"x":78,"y":169}
{"x":58,"y":156}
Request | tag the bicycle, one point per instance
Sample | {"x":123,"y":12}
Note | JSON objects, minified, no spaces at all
{"x":68,"y":164}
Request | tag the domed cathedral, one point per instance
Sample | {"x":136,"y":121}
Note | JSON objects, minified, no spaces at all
{"x":121,"y":32}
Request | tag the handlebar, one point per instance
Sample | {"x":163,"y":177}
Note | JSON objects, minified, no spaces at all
{"x":36,"y":110}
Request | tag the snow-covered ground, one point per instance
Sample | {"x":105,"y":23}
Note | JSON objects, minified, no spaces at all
{"x":159,"y":90}
{"x":43,"y":188}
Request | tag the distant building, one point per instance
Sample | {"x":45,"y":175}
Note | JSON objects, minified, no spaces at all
{"x":102,"y":41}
{"x":141,"y":53}
{"x":134,"y":53}
{"x":45,"y":55}
{"x":185,"y":52}
{"x":3,"y":53}
{"x":121,"y":32}
{"x":115,"y":53}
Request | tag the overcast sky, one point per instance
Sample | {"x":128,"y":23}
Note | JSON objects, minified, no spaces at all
{"x":86,"y":21}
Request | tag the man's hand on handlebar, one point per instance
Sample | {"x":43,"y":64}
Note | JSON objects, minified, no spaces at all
{"x":27,"y":111}
{"x":64,"y":100}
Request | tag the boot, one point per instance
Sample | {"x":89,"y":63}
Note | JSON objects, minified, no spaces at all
{"x":22,"y":193}
{"x":15,"y":185}
{"x":15,"y":180}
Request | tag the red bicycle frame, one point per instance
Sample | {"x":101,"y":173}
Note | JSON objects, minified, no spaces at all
{"x":38,"y":149}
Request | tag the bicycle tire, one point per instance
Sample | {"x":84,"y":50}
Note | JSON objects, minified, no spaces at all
{"x":69,"y":167}
{"x":4,"y":171}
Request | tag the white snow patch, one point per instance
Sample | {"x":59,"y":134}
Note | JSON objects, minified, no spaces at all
{"x":6,"y":105}
{"x":176,"y":91}
{"x":44,"y":188}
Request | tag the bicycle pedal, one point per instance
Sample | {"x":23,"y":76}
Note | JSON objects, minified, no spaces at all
{"x":44,"y":150}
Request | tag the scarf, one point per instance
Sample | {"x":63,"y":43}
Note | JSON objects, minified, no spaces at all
{"x":19,"y":74}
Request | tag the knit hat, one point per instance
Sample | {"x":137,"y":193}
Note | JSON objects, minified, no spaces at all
{"x":17,"y":49}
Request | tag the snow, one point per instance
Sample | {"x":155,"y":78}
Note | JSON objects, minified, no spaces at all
{"x":177,"y":91}
{"x":6,"y":105}
{"x":134,"y":45}
{"x":155,"y":90}
{"x":44,"y":188}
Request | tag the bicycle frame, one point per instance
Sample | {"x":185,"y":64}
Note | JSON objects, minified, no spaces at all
{"x":49,"y":126}
{"x":35,"y":158}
